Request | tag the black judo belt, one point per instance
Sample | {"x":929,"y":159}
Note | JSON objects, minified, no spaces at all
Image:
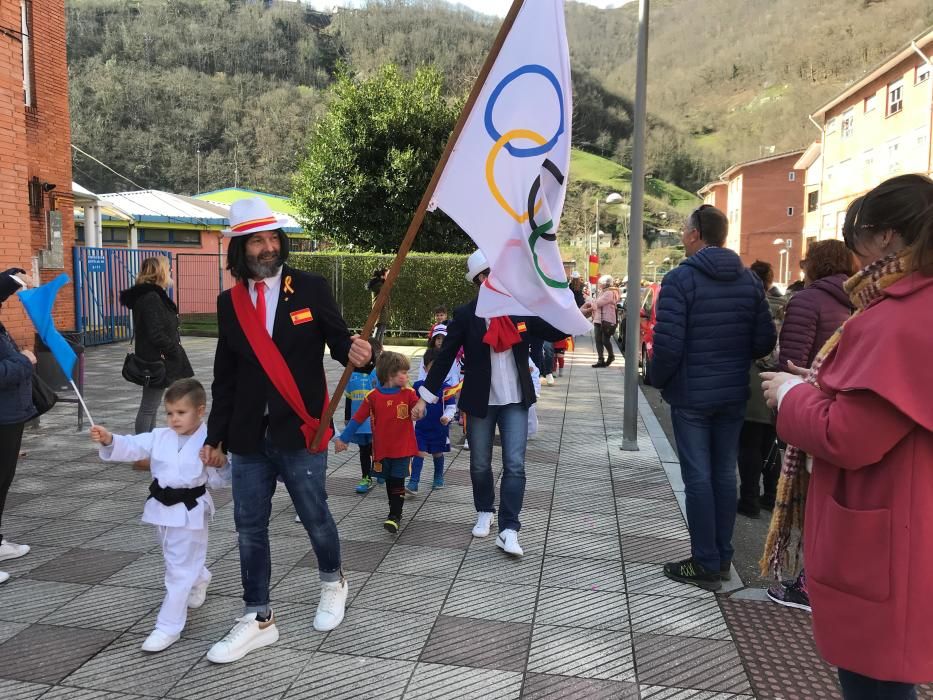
{"x":172,"y":497}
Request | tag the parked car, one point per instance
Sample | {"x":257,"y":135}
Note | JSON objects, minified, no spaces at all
{"x":648,"y":320}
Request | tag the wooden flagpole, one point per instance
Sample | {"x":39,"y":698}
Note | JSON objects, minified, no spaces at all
{"x":418,"y":218}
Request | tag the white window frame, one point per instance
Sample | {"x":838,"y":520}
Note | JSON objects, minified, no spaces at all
{"x":871,"y":103}
{"x":922,"y":73}
{"x":790,"y":211}
{"x":792,"y":176}
{"x":848,"y":123}
{"x":895,"y":97}
{"x":25,"y":11}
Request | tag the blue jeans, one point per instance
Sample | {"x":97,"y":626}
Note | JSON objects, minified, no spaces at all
{"x":254,"y":481}
{"x":708,"y":446}
{"x":512,"y":420}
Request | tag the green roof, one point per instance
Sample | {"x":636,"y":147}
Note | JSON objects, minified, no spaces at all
{"x":229,"y":195}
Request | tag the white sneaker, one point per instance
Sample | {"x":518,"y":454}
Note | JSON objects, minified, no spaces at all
{"x":483,"y":522}
{"x":198,"y":595}
{"x":297,"y":518}
{"x":331,"y":607}
{"x":507,"y":541}
{"x":3,"y":576}
{"x":247,"y":635}
{"x":159,"y":641}
{"x":550,"y":380}
{"x":466,"y":444}
{"x":11,"y":550}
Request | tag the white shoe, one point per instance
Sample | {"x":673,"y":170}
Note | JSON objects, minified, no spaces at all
{"x":466,"y":444}
{"x":483,"y":522}
{"x":331,"y":607}
{"x":550,"y":380}
{"x":11,"y":550}
{"x":198,"y":595}
{"x":297,"y":518}
{"x":159,"y":641}
{"x":507,"y":541}
{"x":3,"y":576}
{"x":247,"y":635}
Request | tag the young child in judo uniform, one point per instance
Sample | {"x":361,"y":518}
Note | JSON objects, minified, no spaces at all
{"x":179,"y":505}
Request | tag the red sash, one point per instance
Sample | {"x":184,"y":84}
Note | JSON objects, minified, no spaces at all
{"x":274,"y":366}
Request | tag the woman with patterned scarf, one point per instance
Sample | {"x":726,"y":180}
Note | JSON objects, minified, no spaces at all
{"x":863,"y":413}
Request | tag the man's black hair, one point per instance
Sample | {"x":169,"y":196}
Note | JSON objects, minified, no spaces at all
{"x":236,"y":255}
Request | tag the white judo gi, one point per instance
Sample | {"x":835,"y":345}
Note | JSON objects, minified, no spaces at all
{"x":181,"y":532}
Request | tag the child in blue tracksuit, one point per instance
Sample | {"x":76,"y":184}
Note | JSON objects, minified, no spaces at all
{"x":362,"y":381}
{"x":433,"y":431}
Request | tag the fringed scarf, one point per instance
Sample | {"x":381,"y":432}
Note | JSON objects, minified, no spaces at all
{"x":863,"y":288}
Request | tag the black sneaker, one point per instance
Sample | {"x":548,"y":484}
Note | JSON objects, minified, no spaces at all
{"x":790,"y":596}
{"x":391,"y":524}
{"x":599,"y":364}
{"x":612,"y":358}
{"x":725,"y":570}
{"x":767,"y":502}
{"x":749,"y":510}
{"x":693,"y":573}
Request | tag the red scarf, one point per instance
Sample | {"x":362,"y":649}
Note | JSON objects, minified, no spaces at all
{"x":502,"y":334}
{"x":275,"y":367}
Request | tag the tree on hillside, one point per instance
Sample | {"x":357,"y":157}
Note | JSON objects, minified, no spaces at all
{"x":369,"y":161}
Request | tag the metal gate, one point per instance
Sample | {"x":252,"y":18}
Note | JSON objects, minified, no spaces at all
{"x":100,"y":275}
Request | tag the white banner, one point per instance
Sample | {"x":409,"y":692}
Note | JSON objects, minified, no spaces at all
{"x":506,"y":178}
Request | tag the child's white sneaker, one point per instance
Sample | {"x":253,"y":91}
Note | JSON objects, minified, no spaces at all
{"x":550,"y":380}
{"x":332,"y":605}
{"x":197,"y":595}
{"x":11,"y":550}
{"x":483,"y":523}
{"x":159,"y":641}
{"x":248,"y":634}
{"x":4,"y":576}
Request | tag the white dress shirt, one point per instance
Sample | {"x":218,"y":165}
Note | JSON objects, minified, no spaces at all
{"x":273,"y":284}
{"x":503,"y":383}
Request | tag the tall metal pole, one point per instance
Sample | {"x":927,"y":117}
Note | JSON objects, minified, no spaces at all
{"x":633,"y":297}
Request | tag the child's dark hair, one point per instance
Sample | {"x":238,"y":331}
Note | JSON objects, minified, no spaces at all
{"x":390,"y":363}
{"x":429,"y":356}
{"x":431,"y":343}
{"x":440,"y":309}
{"x":190,"y":389}
{"x":371,"y":365}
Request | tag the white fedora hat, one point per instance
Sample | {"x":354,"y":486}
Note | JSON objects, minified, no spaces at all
{"x":248,"y":216}
{"x":476,"y":263}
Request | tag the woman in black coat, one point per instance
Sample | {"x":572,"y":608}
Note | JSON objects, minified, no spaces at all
{"x":155,"y":323}
{"x":16,"y":367}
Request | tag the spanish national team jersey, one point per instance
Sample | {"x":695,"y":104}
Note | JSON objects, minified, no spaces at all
{"x":392,"y":426}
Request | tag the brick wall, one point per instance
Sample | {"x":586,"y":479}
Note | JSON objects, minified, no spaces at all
{"x":35,"y":142}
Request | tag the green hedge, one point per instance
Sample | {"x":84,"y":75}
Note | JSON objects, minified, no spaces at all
{"x":426,"y":281}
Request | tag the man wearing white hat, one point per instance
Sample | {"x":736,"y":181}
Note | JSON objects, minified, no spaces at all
{"x":497,"y":391}
{"x":268,"y":394}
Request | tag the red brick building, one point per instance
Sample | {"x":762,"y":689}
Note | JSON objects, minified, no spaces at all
{"x":36,"y":206}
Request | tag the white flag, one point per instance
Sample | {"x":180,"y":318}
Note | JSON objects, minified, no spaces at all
{"x":506,"y":178}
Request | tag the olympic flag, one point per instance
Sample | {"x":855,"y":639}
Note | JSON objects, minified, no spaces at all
{"x":506,"y":178}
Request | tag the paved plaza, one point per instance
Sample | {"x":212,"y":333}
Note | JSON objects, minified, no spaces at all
{"x":433,"y":613}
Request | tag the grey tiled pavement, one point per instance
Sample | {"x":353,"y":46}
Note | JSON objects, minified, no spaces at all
{"x":433,"y":612}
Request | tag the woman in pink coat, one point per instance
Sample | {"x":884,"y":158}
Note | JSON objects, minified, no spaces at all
{"x":603,"y":310}
{"x":865,"y":415}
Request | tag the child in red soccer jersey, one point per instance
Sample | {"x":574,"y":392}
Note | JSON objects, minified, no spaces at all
{"x":389,"y":408}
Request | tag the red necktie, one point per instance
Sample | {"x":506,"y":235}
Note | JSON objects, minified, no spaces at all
{"x":261,"y":302}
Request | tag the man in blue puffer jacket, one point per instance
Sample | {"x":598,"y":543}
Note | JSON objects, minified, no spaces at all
{"x":712,"y":322}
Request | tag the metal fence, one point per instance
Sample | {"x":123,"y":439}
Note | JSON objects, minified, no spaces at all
{"x":199,"y":278}
{"x":100,"y":274}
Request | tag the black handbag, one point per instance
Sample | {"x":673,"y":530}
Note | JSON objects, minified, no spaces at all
{"x":143,"y":372}
{"x":43,"y":397}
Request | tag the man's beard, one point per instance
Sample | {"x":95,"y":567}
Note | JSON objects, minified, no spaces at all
{"x":264,"y":266}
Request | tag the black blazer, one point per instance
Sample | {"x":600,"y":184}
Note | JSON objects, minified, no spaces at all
{"x":241,"y":389}
{"x":467,"y":330}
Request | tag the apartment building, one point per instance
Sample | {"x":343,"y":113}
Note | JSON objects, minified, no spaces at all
{"x":877,"y":128}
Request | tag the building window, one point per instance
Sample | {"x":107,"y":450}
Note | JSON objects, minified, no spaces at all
{"x":792,"y":176}
{"x":895,"y":97}
{"x":25,"y":11}
{"x":894,"y":157}
{"x":922,"y":73}
{"x":831,"y":125}
{"x":848,"y":122}
{"x":790,"y":211}
{"x":164,"y":236}
{"x":813,"y":201}
{"x":827,"y":222}
{"x":115,"y":235}
{"x":871,"y":103}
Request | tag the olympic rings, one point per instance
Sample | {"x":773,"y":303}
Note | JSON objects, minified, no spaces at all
{"x":491,"y":166}
{"x":543,"y":147}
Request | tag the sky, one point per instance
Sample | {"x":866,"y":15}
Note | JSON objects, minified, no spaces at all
{"x":490,"y":7}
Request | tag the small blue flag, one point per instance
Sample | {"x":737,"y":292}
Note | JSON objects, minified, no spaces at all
{"x":38,"y":304}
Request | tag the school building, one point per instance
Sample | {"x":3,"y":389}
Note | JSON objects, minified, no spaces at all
{"x":36,"y":201}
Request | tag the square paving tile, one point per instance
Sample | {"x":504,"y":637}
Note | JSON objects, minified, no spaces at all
{"x":686,"y":662}
{"x":463,"y":641}
{"x":660,"y":692}
{"x":429,"y":533}
{"x":589,"y":574}
{"x":85,"y":566}
{"x":459,"y":513}
{"x":585,"y":545}
{"x":259,"y":675}
{"x":486,"y":562}
{"x":649,"y":507}
{"x":343,"y":677}
{"x":303,"y":585}
{"x":653,"y":550}
{"x":694,"y":617}
{"x":46,"y":654}
{"x":441,"y":682}
{"x":62,"y":692}
{"x":422,"y":561}
{"x":134,"y":537}
{"x":582,"y":608}
{"x":20,"y":690}
{"x":641,"y":489}
{"x":595,"y":523}
{"x":402,"y":594}
{"x":541,"y":686}
{"x":380,"y":633}
{"x":488,"y":601}
{"x":25,"y":600}
{"x":39,"y":554}
{"x":106,"y":607}
{"x":124,"y":668}
{"x":587,"y":653}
